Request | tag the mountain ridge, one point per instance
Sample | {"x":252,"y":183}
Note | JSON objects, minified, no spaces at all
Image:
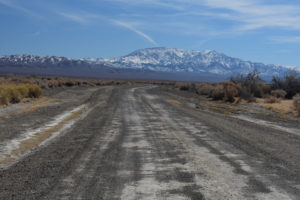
{"x":174,"y":59}
{"x":154,"y":60}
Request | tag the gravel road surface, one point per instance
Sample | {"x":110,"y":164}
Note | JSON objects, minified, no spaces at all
{"x":138,"y":142}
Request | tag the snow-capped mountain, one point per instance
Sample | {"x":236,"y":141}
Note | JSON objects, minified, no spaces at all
{"x":159,"y":63}
{"x":39,"y":61}
{"x":177,"y":60}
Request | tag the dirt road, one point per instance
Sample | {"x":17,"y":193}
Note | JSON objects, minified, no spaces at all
{"x":141,"y":143}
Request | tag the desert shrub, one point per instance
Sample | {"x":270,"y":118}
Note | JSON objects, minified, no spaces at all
{"x":92,"y":84}
{"x":34,"y":91}
{"x":218,"y":92}
{"x":272,"y":99}
{"x":204,"y":88}
{"x":69,"y":83}
{"x":10,"y":94}
{"x":23,"y":90}
{"x":266,"y":88}
{"x":292,"y":84}
{"x":184,"y":86}
{"x":289,"y":83}
{"x":279,"y":93}
{"x":4,"y":97}
{"x":44,"y":85}
{"x":50,"y":84}
{"x":14,"y":95}
{"x":230,"y":92}
{"x":252,"y":83}
{"x":246,"y":95}
{"x":226,"y":91}
{"x":258,"y":91}
{"x":296,"y":102}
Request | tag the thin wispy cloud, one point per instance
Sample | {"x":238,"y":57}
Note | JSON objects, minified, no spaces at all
{"x":285,"y":39}
{"x":256,"y":15}
{"x":132,"y":28}
{"x":74,"y":17}
{"x":250,"y":14}
{"x":151,"y":3}
{"x":18,"y":7}
{"x":86,"y":18}
{"x":223,"y":25}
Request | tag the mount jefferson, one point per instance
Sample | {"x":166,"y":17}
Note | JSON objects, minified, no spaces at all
{"x":178,"y":60}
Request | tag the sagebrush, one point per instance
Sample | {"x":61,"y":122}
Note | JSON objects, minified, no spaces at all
{"x":296,"y":102}
{"x":14,"y":93}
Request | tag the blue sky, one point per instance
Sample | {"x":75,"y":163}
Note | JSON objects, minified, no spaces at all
{"x":257,"y":30}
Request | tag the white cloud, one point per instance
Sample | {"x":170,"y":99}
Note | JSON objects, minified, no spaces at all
{"x":285,"y":39}
{"x":152,"y":3}
{"x":132,"y":28}
{"x":254,"y":14}
{"x":86,"y":18}
{"x":13,"y":5}
{"x":74,"y":17}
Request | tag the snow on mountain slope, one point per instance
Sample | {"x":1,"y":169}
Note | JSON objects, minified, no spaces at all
{"x":39,"y":61}
{"x":157,"y":60}
{"x":177,"y":60}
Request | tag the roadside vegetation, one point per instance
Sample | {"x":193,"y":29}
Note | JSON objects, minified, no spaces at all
{"x":297,"y":103}
{"x":251,"y":88}
{"x":56,"y":82}
{"x":14,"y":88}
{"x":15,"y":93}
{"x":282,"y":92}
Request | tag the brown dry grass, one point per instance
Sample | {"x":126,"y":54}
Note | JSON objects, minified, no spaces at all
{"x":37,"y":104}
{"x":223,"y":105}
{"x":15,"y":93}
{"x":53,"y":82}
{"x":283,"y":107}
{"x":174,"y":101}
